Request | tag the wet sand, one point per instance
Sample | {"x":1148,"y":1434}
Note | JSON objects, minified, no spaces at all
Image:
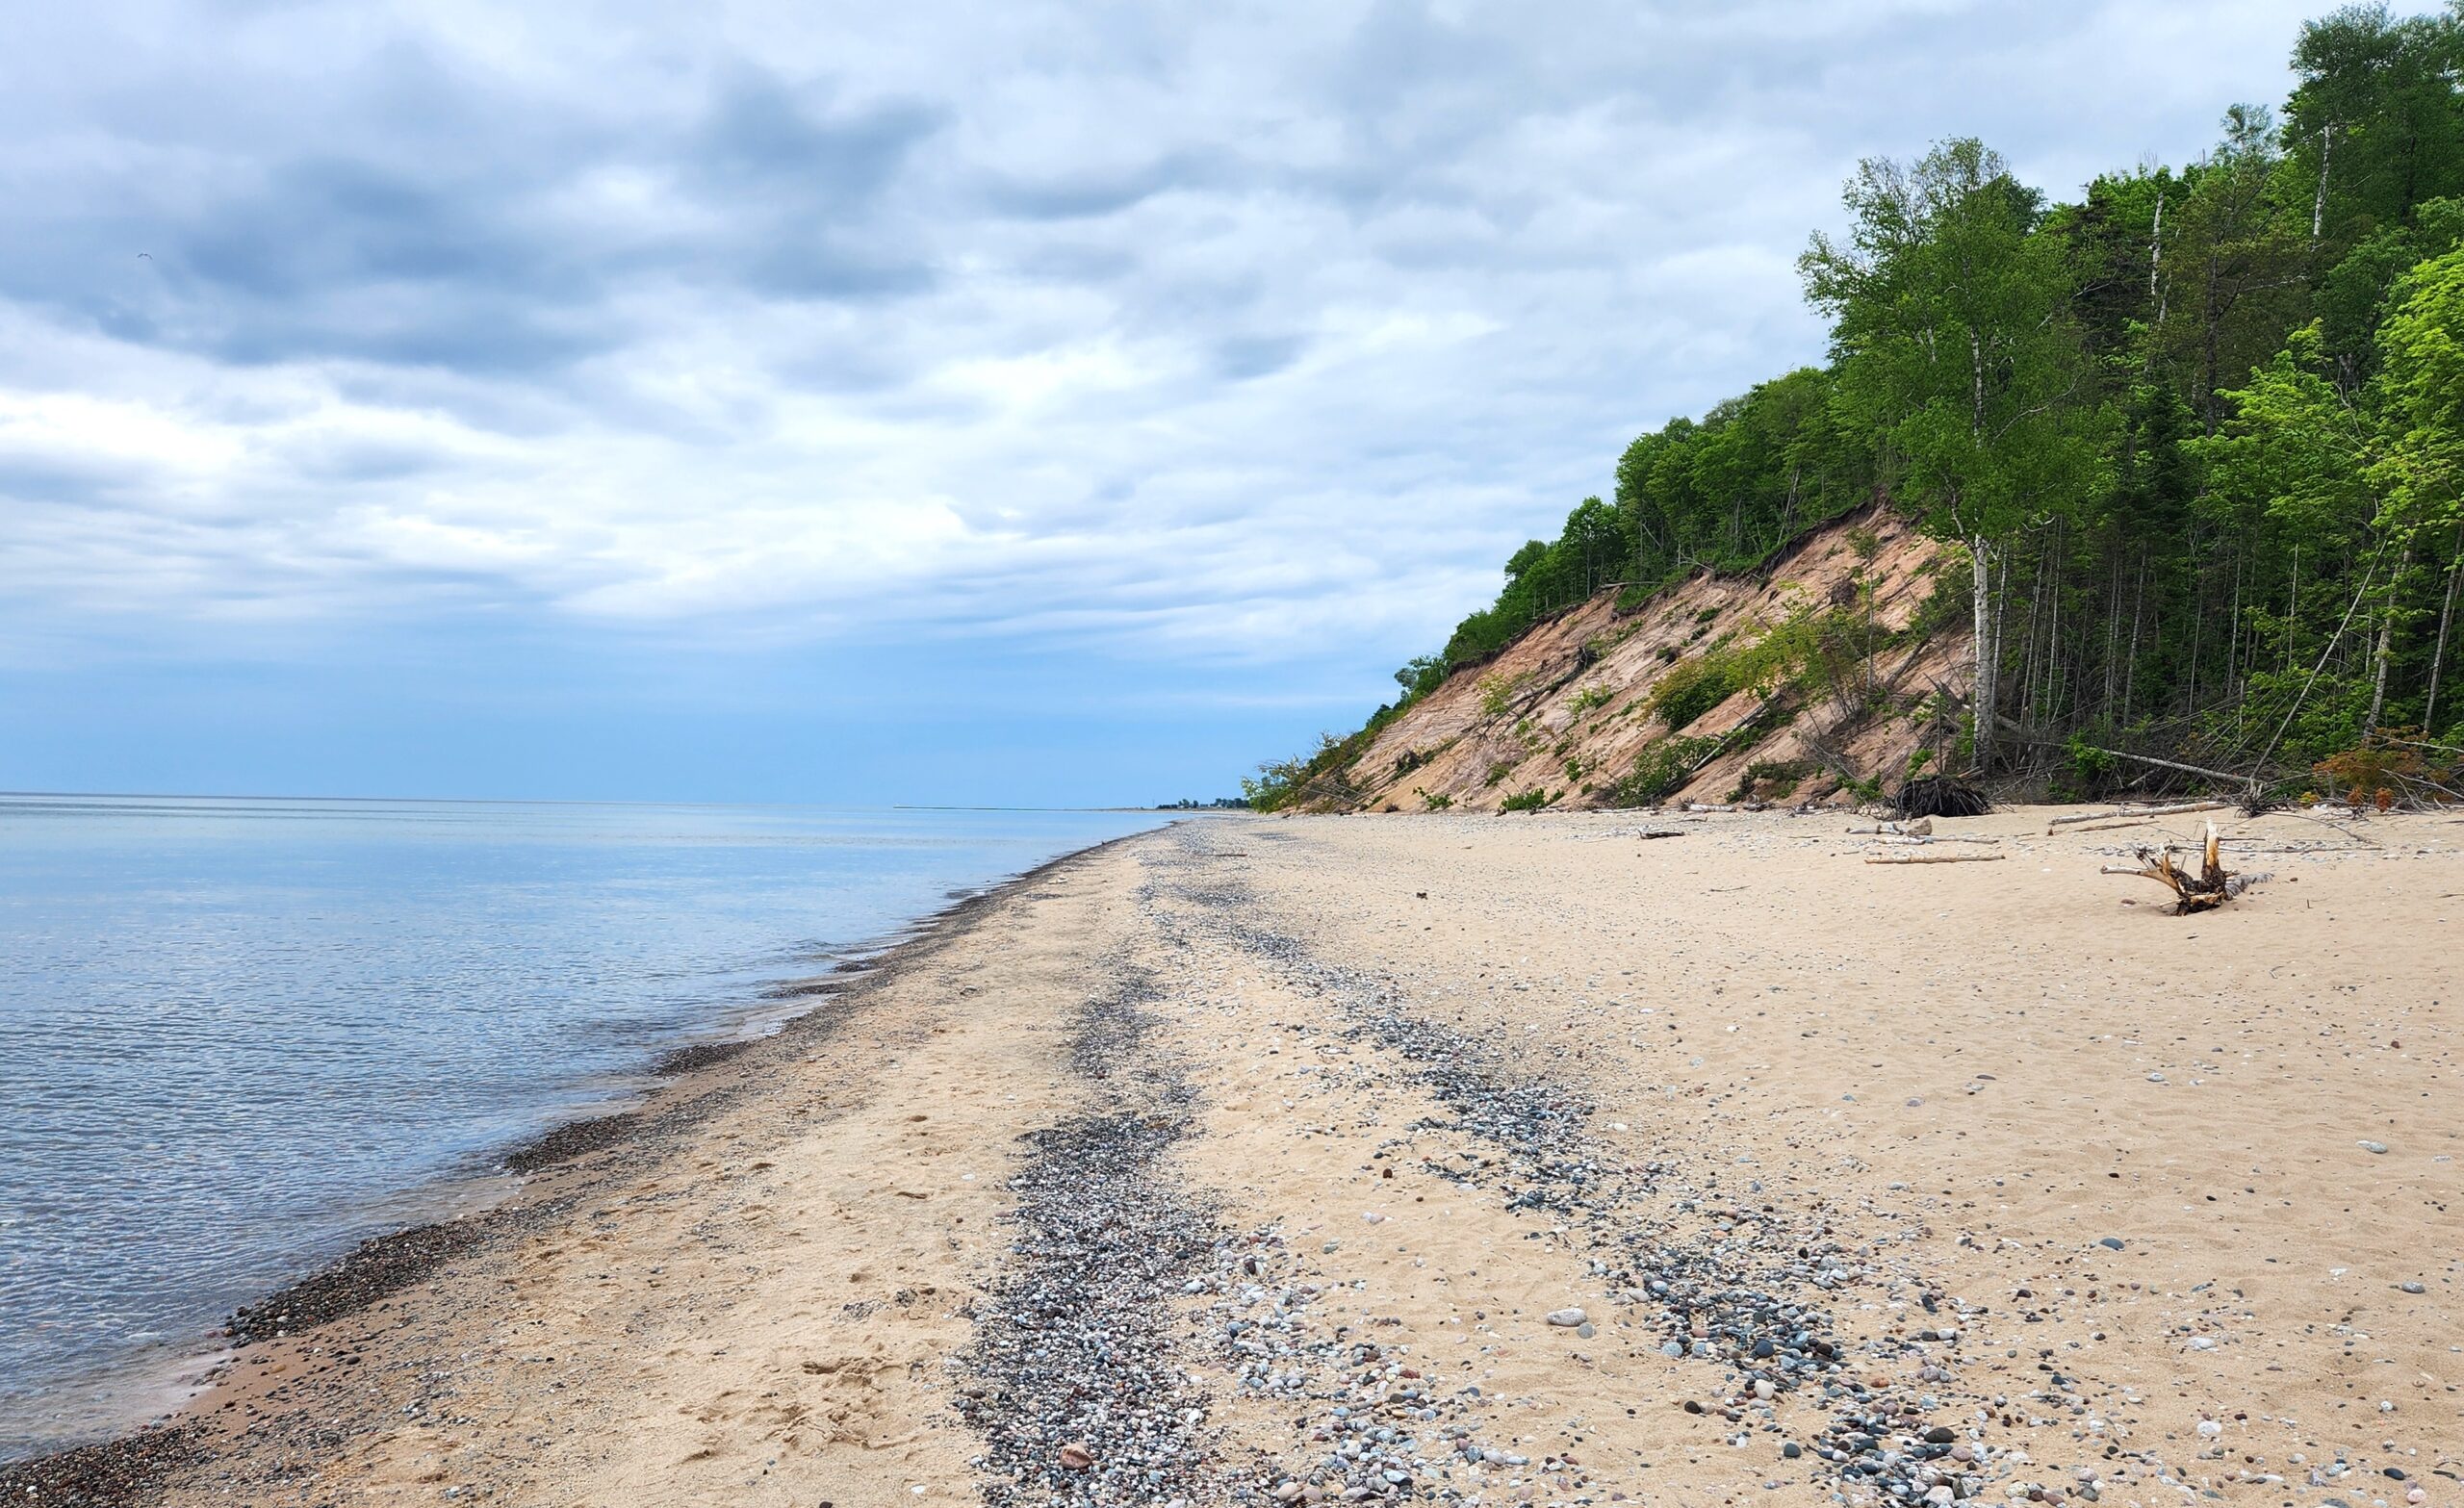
{"x":1477,"y":1159}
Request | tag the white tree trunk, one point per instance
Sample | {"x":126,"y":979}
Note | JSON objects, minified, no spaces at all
{"x":1980,"y":556}
{"x":2386,"y":646}
{"x":2319,"y":201}
{"x":2438,"y":658}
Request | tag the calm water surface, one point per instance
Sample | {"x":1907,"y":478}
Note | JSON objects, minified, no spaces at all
{"x":235,"y":1036}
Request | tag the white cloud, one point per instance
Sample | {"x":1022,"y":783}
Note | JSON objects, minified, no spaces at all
{"x":1244,"y":332}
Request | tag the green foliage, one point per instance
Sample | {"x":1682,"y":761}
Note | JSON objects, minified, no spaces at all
{"x":1590,"y":698}
{"x":1432,"y":801}
{"x":1662,"y":770}
{"x":2091,"y":767}
{"x":1726,"y":490}
{"x":1498,"y":770}
{"x":1285,"y":782}
{"x":1953,"y":338}
{"x":1691,"y":688}
{"x":2377,"y":102}
{"x":1773,"y":660}
{"x":1498,"y":693}
{"x":2421,"y":467}
{"x":1531,"y":800}
{"x":1422,"y":676}
{"x":1771,"y":779}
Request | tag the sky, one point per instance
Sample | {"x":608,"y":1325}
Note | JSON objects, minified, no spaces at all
{"x":1026,"y":403}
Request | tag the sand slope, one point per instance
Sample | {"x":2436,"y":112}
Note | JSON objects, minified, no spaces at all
{"x":1565,"y":708}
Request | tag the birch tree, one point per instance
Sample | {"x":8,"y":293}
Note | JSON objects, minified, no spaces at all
{"x":1955,"y":351}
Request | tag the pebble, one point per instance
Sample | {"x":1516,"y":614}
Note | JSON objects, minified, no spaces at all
{"x":1749,"y":1293}
{"x":1103,"y":1226}
{"x":2412,"y":1288}
{"x":2379,"y":1147}
{"x":2111,"y":1243}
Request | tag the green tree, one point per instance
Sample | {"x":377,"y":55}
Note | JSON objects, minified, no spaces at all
{"x":2295,"y":455}
{"x":2421,"y":466}
{"x":1956,"y":346}
{"x":2376,"y":124}
{"x":2232,"y":265}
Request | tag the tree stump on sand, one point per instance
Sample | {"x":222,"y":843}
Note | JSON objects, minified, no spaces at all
{"x":2211,"y":887}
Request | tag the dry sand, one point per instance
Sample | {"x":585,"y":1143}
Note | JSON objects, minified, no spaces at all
{"x":1254,"y":1156}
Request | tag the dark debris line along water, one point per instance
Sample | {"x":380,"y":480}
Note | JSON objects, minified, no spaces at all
{"x":244,"y":1033}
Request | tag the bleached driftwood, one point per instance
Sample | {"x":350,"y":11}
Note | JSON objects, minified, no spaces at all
{"x":1916,"y":828}
{"x":2211,"y":887}
{"x":2140,"y":811}
{"x":1933,"y":858}
{"x":1921,"y":842}
{"x":2108,"y":826}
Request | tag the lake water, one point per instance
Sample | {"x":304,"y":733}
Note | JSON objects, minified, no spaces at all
{"x":235,"y":1036}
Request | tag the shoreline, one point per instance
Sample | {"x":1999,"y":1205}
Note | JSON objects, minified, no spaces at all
{"x":1483,"y":1160}
{"x":126,"y":1466}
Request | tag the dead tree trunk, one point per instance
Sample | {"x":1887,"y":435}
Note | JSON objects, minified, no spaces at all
{"x":2211,"y":887}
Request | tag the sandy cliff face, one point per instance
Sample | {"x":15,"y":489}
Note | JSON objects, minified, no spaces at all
{"x":1568,"y":707}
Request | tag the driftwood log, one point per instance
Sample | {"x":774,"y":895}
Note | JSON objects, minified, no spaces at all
{"x":2211,"y":887}
{"x":1916,"y":828}
{"x":2140,"y":811}
{"x":1933,"y":858}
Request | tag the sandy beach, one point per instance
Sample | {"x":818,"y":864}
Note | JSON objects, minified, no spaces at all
{"x":1473,"y":1159}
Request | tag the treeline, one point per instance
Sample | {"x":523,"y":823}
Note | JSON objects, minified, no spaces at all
{"x":2196,"y":437}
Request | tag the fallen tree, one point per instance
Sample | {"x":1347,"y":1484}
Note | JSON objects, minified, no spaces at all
{"x":2120,"y":813}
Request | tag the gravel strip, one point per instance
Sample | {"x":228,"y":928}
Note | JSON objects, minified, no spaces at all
{"x":1071,"y":1378}
{"x":1732,"y":1279}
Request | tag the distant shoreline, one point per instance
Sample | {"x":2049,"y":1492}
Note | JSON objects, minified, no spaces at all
{"x":562,"y":801}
